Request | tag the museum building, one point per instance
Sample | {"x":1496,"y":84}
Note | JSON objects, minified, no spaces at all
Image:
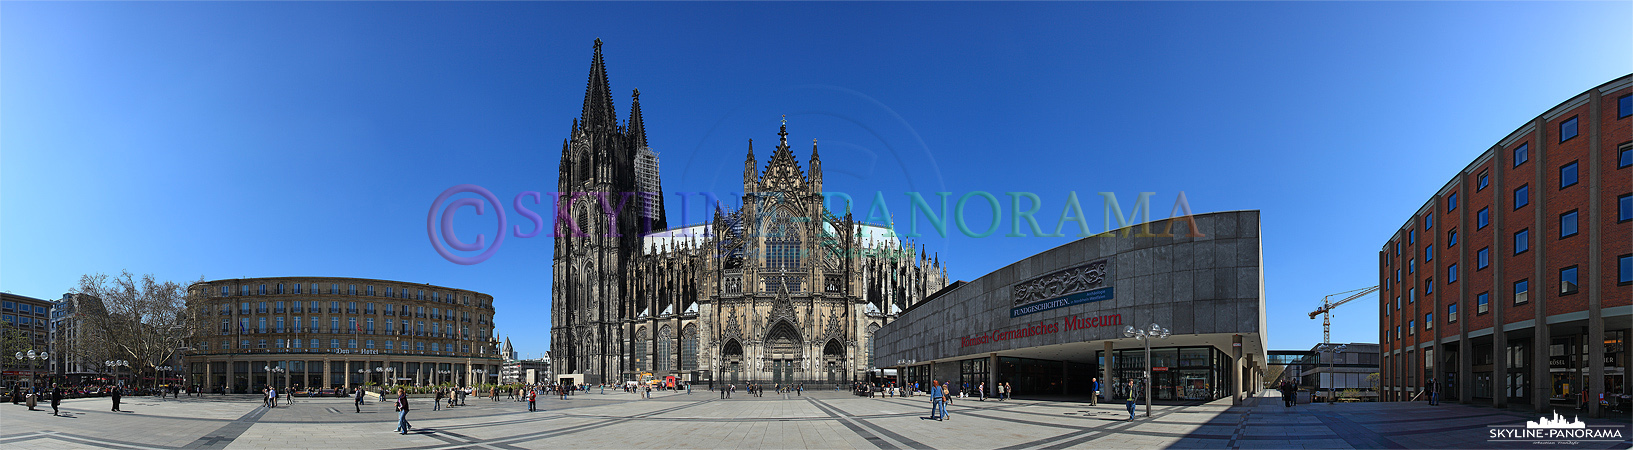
{"x":1049,"y":323}
{"x":323,"y":332}
{"x":1511,"y":284}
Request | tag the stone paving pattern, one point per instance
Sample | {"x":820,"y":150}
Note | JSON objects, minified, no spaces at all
{"x":703,"y":420}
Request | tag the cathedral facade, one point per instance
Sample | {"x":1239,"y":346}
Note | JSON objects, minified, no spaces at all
{"x":775,"y":289}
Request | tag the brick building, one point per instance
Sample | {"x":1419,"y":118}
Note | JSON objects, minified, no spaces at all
{"x":1537,"y":227}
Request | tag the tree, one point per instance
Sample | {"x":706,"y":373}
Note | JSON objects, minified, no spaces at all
{"x":146,"y":320}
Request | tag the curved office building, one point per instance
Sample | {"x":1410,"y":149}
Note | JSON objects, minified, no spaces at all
{"x":1047,"y":324}
{"x":298,"y":332}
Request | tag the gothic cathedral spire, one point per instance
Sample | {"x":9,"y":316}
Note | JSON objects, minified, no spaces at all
{"x":598,"y":114}
{"x":637,"y":126}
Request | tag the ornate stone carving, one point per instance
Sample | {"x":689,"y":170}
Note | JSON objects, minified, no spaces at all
{"x":1063,"y":282}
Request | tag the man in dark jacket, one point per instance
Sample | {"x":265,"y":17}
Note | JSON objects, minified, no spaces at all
{"x":402,"y":411}
{"x":116,"y":396}
{"x":358,"y":402}
{"x":56,"y":399}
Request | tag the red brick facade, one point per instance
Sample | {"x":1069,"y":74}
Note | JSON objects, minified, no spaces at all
{"x":1470,"y":358}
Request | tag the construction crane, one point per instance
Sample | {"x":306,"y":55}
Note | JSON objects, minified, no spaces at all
{"x":1327,"y":306}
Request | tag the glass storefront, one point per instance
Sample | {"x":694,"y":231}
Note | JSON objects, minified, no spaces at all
{"x":1177,"y":373}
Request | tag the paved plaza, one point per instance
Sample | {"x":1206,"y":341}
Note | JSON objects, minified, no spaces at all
{"x":703,"y":420}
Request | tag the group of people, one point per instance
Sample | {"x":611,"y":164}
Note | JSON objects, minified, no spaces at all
{"x":33,"y":396}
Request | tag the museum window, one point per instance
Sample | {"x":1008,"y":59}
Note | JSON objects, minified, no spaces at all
{"x":1567,"y":281}
{"x":1522,"y":196}
{"x":1522,"y":154}
{"x":1567,"y":129}
{"x":1482,"y":303}
{"x":1522,"y":241}
{"x":1482,"y":218}
{"x":1522,"y":291}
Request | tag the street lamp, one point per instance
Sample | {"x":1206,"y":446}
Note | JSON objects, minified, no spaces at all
{"x":271,"y":380}
{"x":117,"y":363}
{"x":31,"y":356}
{"x":1153,"y":332}
{"x":1332,"y":371}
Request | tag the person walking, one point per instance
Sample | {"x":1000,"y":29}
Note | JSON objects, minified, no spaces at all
{"x":116,"y":394}
{"x":1094,"y":399}
{"x":56,"y":399}
{"x":402,"y":411}
{"x":1434,"y":393}
{"x":436,"y":401}
{"x":358,"y":402}
{"x":935,"y":400}
{"x":1132,"y":403}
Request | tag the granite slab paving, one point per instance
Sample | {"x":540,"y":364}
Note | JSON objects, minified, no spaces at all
{"x":703,"y":420}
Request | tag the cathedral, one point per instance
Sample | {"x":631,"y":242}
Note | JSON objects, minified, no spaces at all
{"x":774,"y":290}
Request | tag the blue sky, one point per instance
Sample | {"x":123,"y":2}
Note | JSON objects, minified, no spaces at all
{"x":236,"y":139}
